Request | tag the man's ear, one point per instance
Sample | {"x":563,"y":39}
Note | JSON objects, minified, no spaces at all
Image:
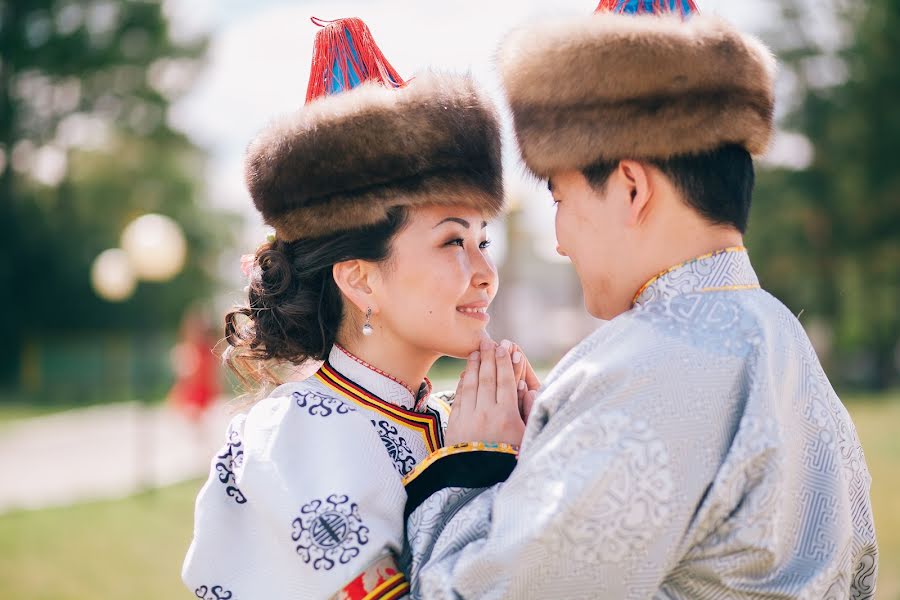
{"x":355,"y":278}
{"x":639,"y":186}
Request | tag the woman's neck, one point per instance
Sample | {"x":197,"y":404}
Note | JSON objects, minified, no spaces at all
{"x":409,"y":365}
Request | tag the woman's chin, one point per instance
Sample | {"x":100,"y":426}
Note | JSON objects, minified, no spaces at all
{"x":464,"y":347}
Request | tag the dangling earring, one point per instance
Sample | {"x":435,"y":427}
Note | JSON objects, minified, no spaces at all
{"x":367,"y":328}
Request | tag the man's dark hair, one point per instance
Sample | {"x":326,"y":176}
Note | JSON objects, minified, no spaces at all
{"x":718,"y":184}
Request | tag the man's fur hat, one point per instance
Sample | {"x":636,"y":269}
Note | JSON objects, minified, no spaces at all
{"x":614,"y":86}
{"x":344,"y":159}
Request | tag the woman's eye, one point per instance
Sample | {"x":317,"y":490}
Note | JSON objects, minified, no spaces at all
{"x":457,"y":242}
{"x":485,"y":244}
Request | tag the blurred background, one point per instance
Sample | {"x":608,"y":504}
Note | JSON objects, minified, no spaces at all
{"x":123,"y":217}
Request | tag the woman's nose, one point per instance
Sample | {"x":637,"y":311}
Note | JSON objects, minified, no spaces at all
{"x":484,"y":274}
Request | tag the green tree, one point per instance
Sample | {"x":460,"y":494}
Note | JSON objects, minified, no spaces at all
{"x":84,"y":149}
{"x":828,"y":237}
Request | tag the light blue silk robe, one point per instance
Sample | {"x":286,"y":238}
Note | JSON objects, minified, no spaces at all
{"x":690,"y":448}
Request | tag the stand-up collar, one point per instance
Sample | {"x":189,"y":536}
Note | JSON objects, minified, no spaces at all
{"x":383,"y":385}
{"x":727,"y":269}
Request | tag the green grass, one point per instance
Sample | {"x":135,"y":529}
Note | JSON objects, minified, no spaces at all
{"x":133,"y":548}
{"x":878,"y":424}
{"x":130,"y":548}
{"x":18,"y":412}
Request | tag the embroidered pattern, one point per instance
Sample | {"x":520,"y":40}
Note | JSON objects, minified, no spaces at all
{"x":727,"y":269}
{"x":397,"y":447}
{"x":216,"y":592}
{"x":329,"y":531}
{"x":231,"y":459}
{"x":426,"y":423}
{"x":687,"y":431}
{"x":322,"y":406}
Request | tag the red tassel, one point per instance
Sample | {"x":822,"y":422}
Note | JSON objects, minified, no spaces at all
{"x":332,"y":44}
{"x":607,"y":6}
{"x":659,"y":7}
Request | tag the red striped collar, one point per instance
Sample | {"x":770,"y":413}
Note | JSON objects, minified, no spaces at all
{"x":427,"y":423}
{"x":383,"y":385}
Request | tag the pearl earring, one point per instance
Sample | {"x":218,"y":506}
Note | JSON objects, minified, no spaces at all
{"x":367,"y":328}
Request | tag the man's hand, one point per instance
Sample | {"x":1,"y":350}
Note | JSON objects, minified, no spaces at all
{"x":486,"y":408}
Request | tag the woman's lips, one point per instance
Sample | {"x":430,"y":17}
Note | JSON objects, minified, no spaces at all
{"x":475,"y":312}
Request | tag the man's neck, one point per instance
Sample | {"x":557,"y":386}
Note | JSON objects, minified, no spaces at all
{"x":687,"y":245}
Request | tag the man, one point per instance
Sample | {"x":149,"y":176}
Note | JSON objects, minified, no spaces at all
{"x":691,"y":447}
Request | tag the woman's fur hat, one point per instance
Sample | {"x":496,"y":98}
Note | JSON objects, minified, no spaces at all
{"x":344,"y":159}
{"x":614,"y":86}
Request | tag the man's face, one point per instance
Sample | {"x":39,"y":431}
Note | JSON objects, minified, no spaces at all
{"x":592,"y":230}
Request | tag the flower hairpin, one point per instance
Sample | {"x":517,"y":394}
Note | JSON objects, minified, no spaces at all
{"x":248,"y":262}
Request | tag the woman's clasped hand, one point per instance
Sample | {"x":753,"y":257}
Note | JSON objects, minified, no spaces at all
{"x":494,"y":396}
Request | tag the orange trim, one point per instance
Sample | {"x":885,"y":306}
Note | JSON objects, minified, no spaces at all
{"x":687,"y":262}
{"x":458,"y":449}
{"x":732,"y":288}
{"x":427,"y":423}
{"x":392,"y":588}
{"x":379,"y":581}
{"x":397,"y":593}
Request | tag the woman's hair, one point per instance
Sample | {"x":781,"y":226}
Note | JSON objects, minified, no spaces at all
{"x":295,"y":308}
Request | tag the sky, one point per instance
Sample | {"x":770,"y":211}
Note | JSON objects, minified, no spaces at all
{"x":260,"y":52}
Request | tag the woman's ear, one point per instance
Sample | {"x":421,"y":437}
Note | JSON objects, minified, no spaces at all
{"x":354,"y":278}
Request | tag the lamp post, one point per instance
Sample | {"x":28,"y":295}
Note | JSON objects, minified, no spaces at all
{"x":154,"y":249}
{"x":112,"y":276}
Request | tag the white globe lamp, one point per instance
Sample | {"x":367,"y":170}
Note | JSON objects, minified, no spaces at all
{"x":156,"y":247}
{"x":112,"y":276}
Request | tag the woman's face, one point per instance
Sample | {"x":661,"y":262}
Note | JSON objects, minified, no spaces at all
{"x":434,"y":291}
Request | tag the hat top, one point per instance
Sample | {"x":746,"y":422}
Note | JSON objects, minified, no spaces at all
{"x":653,"y":7}
{"x":345,"y":56}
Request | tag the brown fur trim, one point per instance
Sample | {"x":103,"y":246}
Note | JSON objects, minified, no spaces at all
{"x":340,"y":162}
{"x":612,"y":86}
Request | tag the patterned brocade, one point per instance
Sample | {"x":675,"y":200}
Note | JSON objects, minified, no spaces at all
{"x":691,"y":448}
{"x":308,"y":490}
{"x":725,"y":270}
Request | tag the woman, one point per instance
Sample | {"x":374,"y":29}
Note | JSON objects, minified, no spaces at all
{"x":379,"y":196}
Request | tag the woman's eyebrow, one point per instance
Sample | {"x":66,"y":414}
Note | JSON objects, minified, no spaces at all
{"x":462,"y":222}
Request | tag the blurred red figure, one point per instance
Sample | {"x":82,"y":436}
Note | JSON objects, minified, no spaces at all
{"x":196,"y":369}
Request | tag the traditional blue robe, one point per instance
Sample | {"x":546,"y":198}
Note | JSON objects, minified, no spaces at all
{"x":690,"y":448}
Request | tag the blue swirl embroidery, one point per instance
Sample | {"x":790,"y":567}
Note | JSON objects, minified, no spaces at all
{"x":329,"y":531}
{"x":322,"y":406}
{"x":231,"y":459}
{"x":397,"y":447}
{"x":216,"y":592}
